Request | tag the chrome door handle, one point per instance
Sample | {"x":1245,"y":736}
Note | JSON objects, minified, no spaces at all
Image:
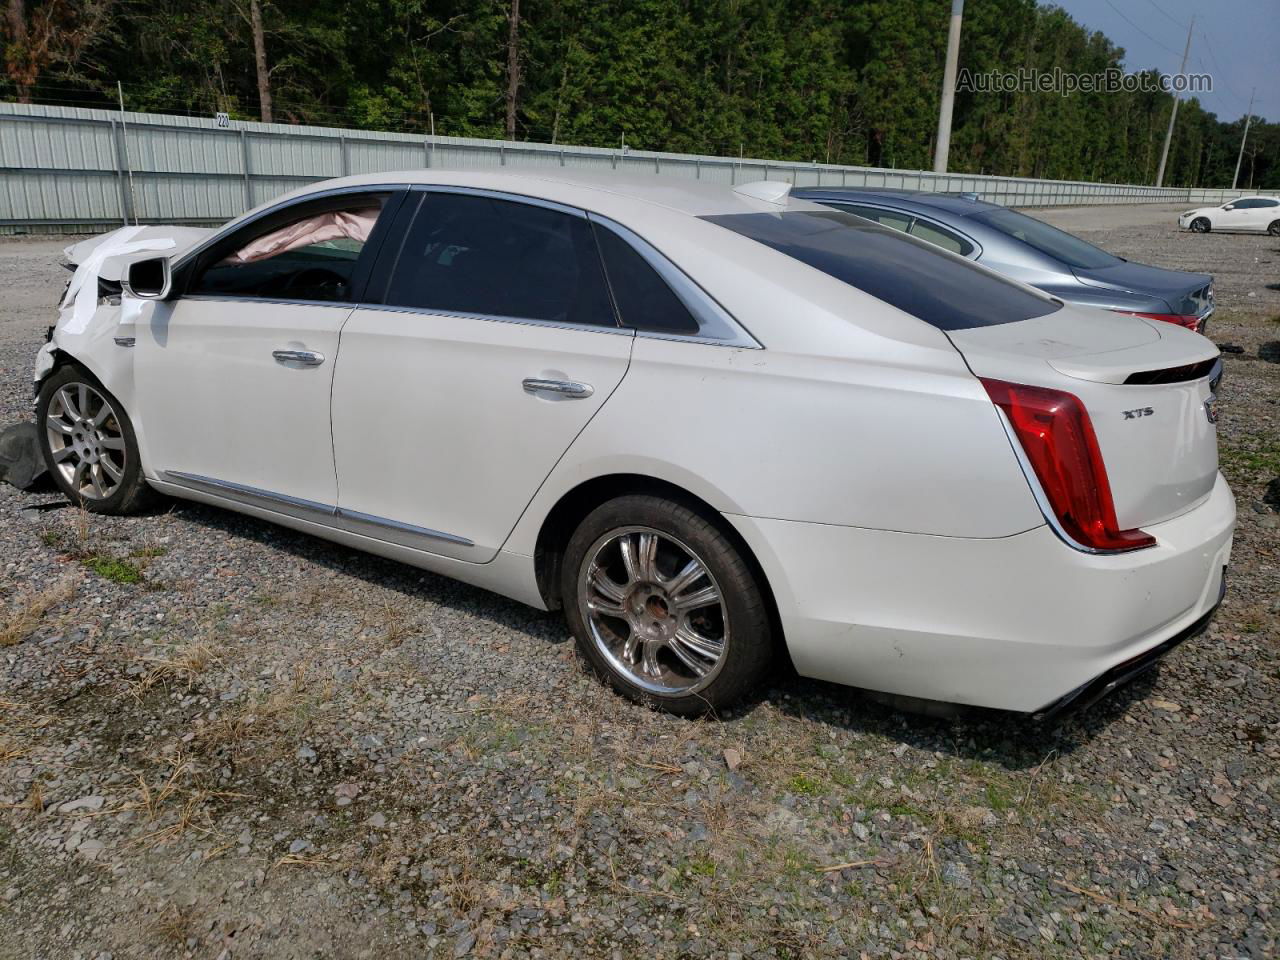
{"x":308,"y":358}
{"x":563,"y":388}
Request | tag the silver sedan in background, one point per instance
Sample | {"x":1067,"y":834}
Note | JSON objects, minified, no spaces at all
{"x":1032,"y":251}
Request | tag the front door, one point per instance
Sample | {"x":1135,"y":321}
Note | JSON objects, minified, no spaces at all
{"x":234,"y":375}
{"x":495,"y":345}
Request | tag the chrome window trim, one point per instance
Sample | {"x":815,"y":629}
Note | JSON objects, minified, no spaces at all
{"x":491,"y":194}
{"x":706,"y":310}
{"x":528,"y":321}
{"x":338,"y":518}
{"x":279,"y":301}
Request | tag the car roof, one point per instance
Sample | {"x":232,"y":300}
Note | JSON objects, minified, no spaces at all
{"x":956,"y":206}
{"x":698,"y":198}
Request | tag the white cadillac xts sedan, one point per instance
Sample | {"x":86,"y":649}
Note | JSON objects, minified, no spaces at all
{"x":713,"y":425}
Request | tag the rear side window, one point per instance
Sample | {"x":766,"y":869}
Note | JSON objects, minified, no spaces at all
{"x":644,"y":300}
{"x":1058,"y":244}
{"x":888,"y":218}
{"x":499,"y":258}
{"x":941,"y":238}
{"x":914,"y":276}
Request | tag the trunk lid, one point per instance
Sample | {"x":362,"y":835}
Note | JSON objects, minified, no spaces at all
{"x":1146,"y":385}
{"x":1188,"y":294}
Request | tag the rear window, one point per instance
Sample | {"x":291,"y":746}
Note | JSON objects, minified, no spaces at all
{"x":914,"y":276}
{"x":1062,"y":246}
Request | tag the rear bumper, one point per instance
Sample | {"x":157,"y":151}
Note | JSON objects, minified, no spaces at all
{"x":1017,"y":623}
{"x":1118,"y":676}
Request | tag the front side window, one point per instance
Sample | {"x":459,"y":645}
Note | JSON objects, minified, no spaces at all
{"x":914,"y":276}
{"x":308,"y":257}
{"x":472,"y":254}
{"x":1058,"y":244}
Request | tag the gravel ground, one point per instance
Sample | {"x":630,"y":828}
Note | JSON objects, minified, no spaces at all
{"x":222,"y":739}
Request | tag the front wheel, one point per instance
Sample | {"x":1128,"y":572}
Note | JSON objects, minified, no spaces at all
{"x":1274,"y":229}
{"x":1201,"y":225}
{"x":664,"y":605}
{"x":89,"y":445}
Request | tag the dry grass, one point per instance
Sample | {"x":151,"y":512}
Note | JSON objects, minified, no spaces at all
{"x":30,"y":607}
{"x":174,"y":926}
{"x":185,"y":666}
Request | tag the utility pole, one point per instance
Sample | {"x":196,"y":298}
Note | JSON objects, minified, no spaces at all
{"x":948,"y":89}
{"x":1173,"y":114}
{"x":1236,"y":179}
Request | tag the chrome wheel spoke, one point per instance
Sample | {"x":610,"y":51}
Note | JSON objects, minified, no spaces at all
{"x":630,"y":647}
{"x":605,"y":608}
{"x":691,"y":660}
{"x":650,"y":661}
{"x":96,"y":481}
{"x":699,"y":598}
{"x":77,"y":477}
{"x":112,"y":471}
{"x":630,"y":559}
{"x":60,"y":455}
{"x":58,"y":425}
{"x":690,"y":639}
{"x":683,"y":580}
{"x":112,"y":443}
{"x":604,"y":585}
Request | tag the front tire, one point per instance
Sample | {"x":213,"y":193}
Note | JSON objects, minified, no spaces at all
{"x":1274,"y":229}
{"x":664,"y":605}
{"x":89,"y":445}
{"x":1201,"y":225}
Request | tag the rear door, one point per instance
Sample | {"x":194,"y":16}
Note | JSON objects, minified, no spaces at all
{"x":494,"y":344}
{"x":1261,"y":212}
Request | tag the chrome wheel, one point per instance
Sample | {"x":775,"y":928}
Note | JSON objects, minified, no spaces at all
{"x":1200,"y":225}
{"x":86,"y":441}
{"x":654,"y":611}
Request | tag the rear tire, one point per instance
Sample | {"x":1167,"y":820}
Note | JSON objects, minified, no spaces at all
{"x":664,"y":606}
{"x":89,"y":445}
{"x":1274,"y":229}
{"x":1201,"y":225}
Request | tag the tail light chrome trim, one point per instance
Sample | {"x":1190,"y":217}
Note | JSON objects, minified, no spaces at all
{"x":1058,"y":428}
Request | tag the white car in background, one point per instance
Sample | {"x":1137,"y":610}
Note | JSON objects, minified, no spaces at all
{"x":711,"y":425}
{"x":1242,"y":215}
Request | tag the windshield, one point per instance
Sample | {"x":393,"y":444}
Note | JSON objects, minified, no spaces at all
{"x":1072,"y":251}
{"x":942,"y":289}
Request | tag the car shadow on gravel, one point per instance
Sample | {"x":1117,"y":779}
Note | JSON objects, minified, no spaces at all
{"x":379,"y":571}
{"x":1012,"y":740}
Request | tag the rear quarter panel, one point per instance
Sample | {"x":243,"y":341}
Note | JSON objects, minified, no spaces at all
{"x":809,"y":438}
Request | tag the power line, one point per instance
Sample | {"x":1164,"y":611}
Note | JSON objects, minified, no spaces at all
{"x":1218,"y":67}
{"x":1122,"y":16}
{"x":1167,"y":14}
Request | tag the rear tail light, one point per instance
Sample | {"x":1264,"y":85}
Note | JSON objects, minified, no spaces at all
{"x":1190,"y":321}
{"x":1057,"y":436}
